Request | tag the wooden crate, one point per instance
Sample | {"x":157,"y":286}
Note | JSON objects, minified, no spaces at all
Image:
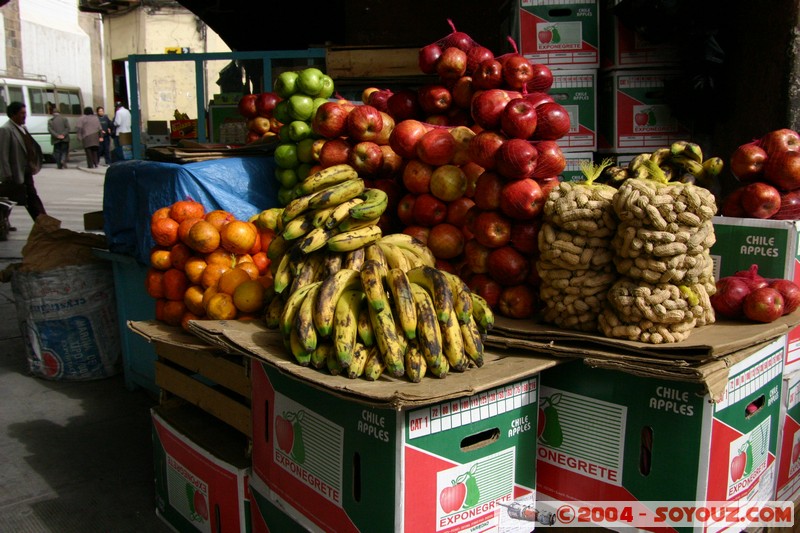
{"x":371,"y":62}
{"x":217,"y":382}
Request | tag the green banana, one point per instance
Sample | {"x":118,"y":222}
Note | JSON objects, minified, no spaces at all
{"x":357,"y":238}
{"x":374,"y":205}
{"x":336,"y":194}
{"x":482,"y":313}
{"x":429,"y":334}
{"x":304,"y":320}
{"x":331,"y":291}
{"x":372,"y":282}
{"x":327,"y":177}
{"x":403,"y":301}
{"x":373,"y":367}
{"x":433,"y":280}
{"x":340,"y":212}
{"x":687,"y":149}
{"x":415,"y":364}
{"x":345,"y":325}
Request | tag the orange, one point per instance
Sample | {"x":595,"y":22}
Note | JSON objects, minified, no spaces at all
{"x":187,"y":316}
{"x":231,"y":279}
{"x":160,"y":258}
{"x":221,"y":256}
{"x":219,"y":217}
{"x":194,"y":268}
{"x":238,"y":236}
{"x":257,"y":246}
{"x":173,"y":312}
{"x":164,"y":231}
{"x":179,"y":254}
{"x":207,"y":294}
{"x":221,"y":307}
{"x":154,"y":283}
{"x":193,"y":298}
{"x":249,"y":296}
{"x":247,"y":316}
{"x":266,"y":280}
{"x":184,"y":227}
{"x":250,"y":268}
{"x":203,"y":237}
{"x":159,"y":213}
{"x":266,"y":236}
{"x":175,"y":284}
{"x":261,"y":261}
{"x":183,"y":209}
{"x":160,"y":309}
{"x":212,"y":273}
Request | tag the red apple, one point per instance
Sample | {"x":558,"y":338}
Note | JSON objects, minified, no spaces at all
{"x":380,"y":99}
{"x":428,"y":56}
{"x":418,"y":232}
{"x":405,"y":209}
{"x":519,"y":302}
{"x":405,"y":136}
{"x":445,"y":241}
{"x":790,"y":291}
{"x":525,"y":236}
{"x":551,"y":160}
{"x":437,"y":120}
{"x":367,"y":158}
{"x":334,"y":152}
{"x":732,"y":205}
{"x":403,"y":105}
{"x":476,"y":55}
{"x":259,"y":125}
{"x":417,"y":176}
{"x":541,"y":80}
{"x":463,"y":136}
{"x":516,"y":159}
{"x":763,"y":305}
{"x":485,"y":287}
{"x":538,"y":98}
{"x":429,"y":210}
{"x":252,"y":136}
{"x":457,"y":211}
{"x":386,"y":131}
{"x":436,"y":147}
{"x":462,"y":92}
{"x":265,"y":103}
{"x":508,"y":266}
{"x":553,"y":121}
{"x":487,"y":190}
{"x":548,"y":184}
{"x":483,"y":148}
{"x":782,"y":170}
{"x":517,"y":71}
{"x":452,"y":64}
{"x":364,"y":122}
{"x":518,"y":119}
{"x":448,"y":182}
{"x":247,"y":106}
{"x":487,"y":107}
{"x":393,"y":164}
{"x":434,"y":98}
{"x":457,"y":116}
{"x":330,"y":120}
{"x":760,"y":200}
{"x":473,"y":171}
{"x":521,"y":199}
{"x":492,"y":229}
{"x":747,"y":161}
{"x":458,"y":39}
{"x":778,"y":141}
{"x":477,"y":256}
{"x":790,"y":206}
{"x":487,"y":75}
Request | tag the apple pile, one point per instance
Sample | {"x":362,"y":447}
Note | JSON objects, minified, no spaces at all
{"x":769,"y":170}
{"x":301,"y":94}
{"x":748,"y":295}
{"x":258,"y":110}
{"x":207,"y":264}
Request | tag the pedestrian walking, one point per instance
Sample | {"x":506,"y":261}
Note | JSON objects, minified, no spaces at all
{"x":20,"y":160}
{"x":107,"y":133}
{"x":122,"y":124}
{"x":89,"y":131}
{"x":58,"y":126}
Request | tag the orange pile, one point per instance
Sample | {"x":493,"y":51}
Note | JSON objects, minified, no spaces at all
{"x":206,"y":265}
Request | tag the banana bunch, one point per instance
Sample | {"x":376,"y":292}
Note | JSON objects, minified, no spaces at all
{"x":681,"y":162}
{"x":382,"y":308}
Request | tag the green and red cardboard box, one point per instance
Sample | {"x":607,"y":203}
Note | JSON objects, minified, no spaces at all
{"x":576,"y":90}
{"x":623,"y":47}
{"x":201,"y":472}
{"x":267,"y":517}
{"x":788,"y":475}
{"x":560,"y":34}
{"x":612,"y":436}
{"x":329,"y":457}
{"x":773,"y":245}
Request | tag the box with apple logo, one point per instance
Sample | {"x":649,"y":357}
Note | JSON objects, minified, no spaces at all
{"x":615,"y":436}
{"x":788,"y":477}
{"x":201,"y":471}
{"x":444,"y":458}
{"x":773,"y":245}
{"x":572,"y":172}
{"x":621,"y":46}
{"x":560,"y":34}
{"x":576,"y":90}
{"x":633,"y":111}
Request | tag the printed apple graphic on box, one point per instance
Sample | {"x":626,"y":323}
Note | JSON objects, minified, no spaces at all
{"x":742,"y":463}
{"x":549,"y":427}
{"x":549,"y":34}
{"x":198,"y":504}
{"x":463,"y":493}
{"x":644,"y":116}
{"x":289,"y":436}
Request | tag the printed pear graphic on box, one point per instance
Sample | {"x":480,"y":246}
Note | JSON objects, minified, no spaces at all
{"x":289,"y":435}
{"x":462,"y":493}
{"x":198,"y":504}
{"x":549,"y":34}
{"x":549,"y":427}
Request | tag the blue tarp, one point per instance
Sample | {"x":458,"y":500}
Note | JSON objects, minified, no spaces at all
{"x":134,"y":190}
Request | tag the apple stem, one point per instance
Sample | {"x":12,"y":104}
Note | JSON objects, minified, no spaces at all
{"x":513,"y":44}
{"x":452,"y":25}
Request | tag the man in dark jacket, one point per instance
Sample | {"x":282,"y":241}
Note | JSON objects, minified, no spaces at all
{"x":58,"y":126}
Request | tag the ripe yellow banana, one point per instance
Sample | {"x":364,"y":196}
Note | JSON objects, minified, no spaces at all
{"x":321,"y":215}
{"x":345,"y":325}
{"x":354,"y":259}
{"x":336,"y":194}
{"x":332,"y":263}
{"x":411,"y":244}
{"x":375,"y":253}
{"x":429,"y":335}
{"x":394,"y":256}
{"x":387,"y":340}
{"x":462,"y":299}
{"x":349,"y":224}
{"x":299,"y":226}
{"x":415,"y":363}
{"x":358,"y":362}
{"x":688,"y":165}
{"x":320,"y":355}
{"x":482,"y":313}
{"x":311,"y":270}
{"x":314,"y":240}
{"x":365,"y":333}
{"x":373,"y":368}
{"x":272,"y":315}
{"x":434,"y":281}
{"x":304,"y":320}
{"x":403,"y":301}
{"x":375,"y":203}
{"x":332,"y":363}
{"x":292,"y":307}
{"x":687,"y":149}
{"x":357,"y":238}
{"x":331,"y":291}
{"x":295,"y":208}
{"x":372,"y":282}
{"x":302,"y":357}
{"x":660,"y":156}
{"x":473,"y":343}
{"x":327,"y":177}
{"x":278,"y":246}
{"x":453,"y":344}
{"x":282,"y":275}
{"x":713,"y":166}
{"x":340,"y":212}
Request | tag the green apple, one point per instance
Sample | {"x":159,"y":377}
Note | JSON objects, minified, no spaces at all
{"x":286,"y":84}
{"x":287,"y":177}
{"x":299,"y":130}
{"x":301,"y":107}
{"x":285,"y":195}
{"x":305,"y":150}
{"x":286,"y":155}
{"x":309,"y":81}
{"x":327,"y":87}
{"x":317,"y":102}
{"x":303,"y":171}
{"x":282,"y":112}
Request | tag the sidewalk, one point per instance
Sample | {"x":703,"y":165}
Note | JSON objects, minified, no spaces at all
{"x":74,"y":456}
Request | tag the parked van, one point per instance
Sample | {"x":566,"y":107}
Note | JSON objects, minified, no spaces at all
{"x":37,"y":94}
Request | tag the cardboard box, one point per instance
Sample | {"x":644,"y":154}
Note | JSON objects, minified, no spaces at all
{"x":201,"y":472}
{"x":623,"y":47}
{"x":371,"y":62}
{"x":773,"y":245}
{"x":560,"y":34}
{"x":576,"y":90}
{"x":183,"y":129}
{"x":609,"y":435}
{"x":788,"y":478}
{"x":572,"y":172}
{"x":93,"y":221}
{"x":267,"y":517}
{"x":633,"y":111}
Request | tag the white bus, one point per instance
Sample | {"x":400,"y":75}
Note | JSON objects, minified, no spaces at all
{"x":37,"y":94}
